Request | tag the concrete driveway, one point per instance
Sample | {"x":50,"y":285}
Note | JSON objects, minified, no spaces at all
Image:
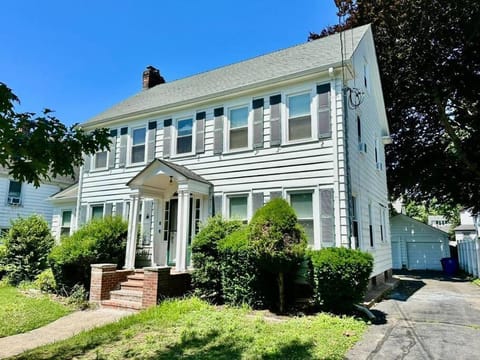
{"x":427,"y":317}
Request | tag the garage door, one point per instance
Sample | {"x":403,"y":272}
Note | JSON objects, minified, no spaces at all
{"x":424,"y":256}
{"x":396,"y":255}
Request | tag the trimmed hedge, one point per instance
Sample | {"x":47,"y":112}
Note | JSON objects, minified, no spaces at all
{"x":340,"y":277}
{"x":206,"y":278}
{"x":99,"y":241}
{"x":27,"y":245}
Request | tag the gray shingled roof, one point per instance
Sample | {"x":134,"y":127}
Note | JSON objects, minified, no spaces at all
{"x":318,"y":54}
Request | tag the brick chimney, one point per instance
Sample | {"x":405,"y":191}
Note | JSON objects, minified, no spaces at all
{"x":152,"y":77}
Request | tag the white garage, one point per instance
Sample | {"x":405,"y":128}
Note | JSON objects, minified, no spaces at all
{"x":417,"y":246}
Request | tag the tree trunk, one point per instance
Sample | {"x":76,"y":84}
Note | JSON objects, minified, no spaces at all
{"x":281,"y":292}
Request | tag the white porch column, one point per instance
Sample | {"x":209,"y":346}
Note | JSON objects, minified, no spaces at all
{"x":182,"y":227}
{"x":132,"y":232}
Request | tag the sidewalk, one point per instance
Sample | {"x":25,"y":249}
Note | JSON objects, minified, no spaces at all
{"x":378,"y":292}
{"x":60,"y":329}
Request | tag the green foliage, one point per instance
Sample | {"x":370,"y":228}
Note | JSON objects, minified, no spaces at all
{"x":340,"y":277}
{"x":206,"y":278}
{"x":421,"y":210}
{"x":3,"y":252}
{"x":78,"y":297}
{"x":27,"y":245}
{"x":37,"y":147}
{"x":45,"y":281}
{"x":99,"y":241}
{"x":240,"y":276}
{"x":276,"y":238}
{"x":192,"y":329}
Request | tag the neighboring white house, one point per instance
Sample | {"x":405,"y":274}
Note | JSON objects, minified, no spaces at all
{"x":228,"y":140}
{"x":417,"y":246}
{"x":468,"y":243}
{"x":65,"y":211}
{"x":22,"y":200}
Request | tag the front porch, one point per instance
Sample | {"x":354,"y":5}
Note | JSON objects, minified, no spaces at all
{"x":168,"y":202}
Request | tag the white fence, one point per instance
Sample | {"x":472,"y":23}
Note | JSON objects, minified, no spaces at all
{"x":469,"y":255}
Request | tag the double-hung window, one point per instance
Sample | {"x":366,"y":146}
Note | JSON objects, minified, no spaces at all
{"x":238,"y":207}
{"x":97,"y":211}
{"x":238,"y":128}
{"x":299,"y":117}
{"x":66,"y":222}
{"x":14,"y":192}
{"x":302,"y":203}
{"x":184,"y":136}
{"x":138,"y":145}
{"x":101,"y":160}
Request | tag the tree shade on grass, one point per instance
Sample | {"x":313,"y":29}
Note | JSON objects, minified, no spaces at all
{"x":192,"y":329}
{"x":20,"y":313}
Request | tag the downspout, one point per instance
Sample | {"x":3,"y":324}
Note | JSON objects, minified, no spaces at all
{"x":79,"y":197}
{"x":348,"y":187}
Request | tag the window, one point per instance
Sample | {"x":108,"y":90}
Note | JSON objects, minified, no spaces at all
{"x":97,"y":211}
{"x":184,"y":136}
{"x":299,"y":118}
{"x":355,"y":233}
{"x":100,"y":160}
{"x":14,"y":192}
{"x":66,"y":222}
{"x":138,"y":145}
{"x":370,"y":225}
{"x":238,"y":128}
{"x":238,"y":207}
{"x":303,"y":205}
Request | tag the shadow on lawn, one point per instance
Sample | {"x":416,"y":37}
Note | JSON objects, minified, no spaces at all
{"x":207,"y":348}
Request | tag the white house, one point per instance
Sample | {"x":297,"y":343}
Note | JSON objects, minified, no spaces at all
{"x":23,"y":200}
{"x":305,"y":123}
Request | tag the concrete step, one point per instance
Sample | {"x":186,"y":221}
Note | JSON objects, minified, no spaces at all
{"x":121,"y":304}
{"x":127,"y":295}
{"x":132,"y":285}
{"x":136,"y":276}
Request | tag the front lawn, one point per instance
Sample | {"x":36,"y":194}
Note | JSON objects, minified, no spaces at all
{"x":20,"y":313}
{"x":192,"y":329}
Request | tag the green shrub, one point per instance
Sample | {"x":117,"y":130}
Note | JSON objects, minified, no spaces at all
{"x":45,"y":281}
{"x":206,"y":278}
{"x":279,"y":244}
{"x":240,"y":277}
{"x":340,"y":277}
{"x":27,"y":245}
{"x":3,"y":252}
{"x":99,"y":241}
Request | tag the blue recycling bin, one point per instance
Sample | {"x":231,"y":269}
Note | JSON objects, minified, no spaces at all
{"x":449,"y":266}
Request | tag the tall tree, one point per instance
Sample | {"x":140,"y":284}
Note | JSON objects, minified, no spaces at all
{"x":35,"y":148}
{"x":429,"y":58}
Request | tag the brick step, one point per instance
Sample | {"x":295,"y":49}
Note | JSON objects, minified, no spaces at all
{"x":121,"y":304}
{"x":132,"y":285}
{"x":127,"y":295}
{"x":136,"y":276}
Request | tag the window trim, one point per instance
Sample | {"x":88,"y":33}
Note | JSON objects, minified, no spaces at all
{"x":226,"y":146}
{"x":229,"y":196}
{"x":175,"y":136}
{"x":130,"y":145}
{"x":62,"y":211}
{"x":313,"y":117}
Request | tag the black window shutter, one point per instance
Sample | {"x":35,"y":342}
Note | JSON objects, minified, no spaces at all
{"x":257,"y":201}
{"x":327,"y":223}
{"x":113,"y":149}
{"x":123,"y":147}
{"x":324,"y":117}
{"x":151,"y":140}
{"x":275,"y":124}
{"x":217,"y":204}
{"x":167,"y":138}
{"x":200,"y":132}
{"x":257,"y":105}
{"x":218,"y":131}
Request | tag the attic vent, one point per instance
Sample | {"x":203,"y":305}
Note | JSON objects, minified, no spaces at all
{"x":152,"y":77}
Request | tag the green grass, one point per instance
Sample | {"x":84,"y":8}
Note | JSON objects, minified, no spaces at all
{"x":20,"y":313}
{"x":192,"y":329}
{"x":476,"y":281}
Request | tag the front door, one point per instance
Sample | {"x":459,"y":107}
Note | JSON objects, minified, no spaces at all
{"x":171,"y":224}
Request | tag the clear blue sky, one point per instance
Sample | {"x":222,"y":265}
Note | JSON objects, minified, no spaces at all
{"x":81,"y":57}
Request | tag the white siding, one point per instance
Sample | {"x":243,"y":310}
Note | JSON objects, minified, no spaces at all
{"x":33,"y":201}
